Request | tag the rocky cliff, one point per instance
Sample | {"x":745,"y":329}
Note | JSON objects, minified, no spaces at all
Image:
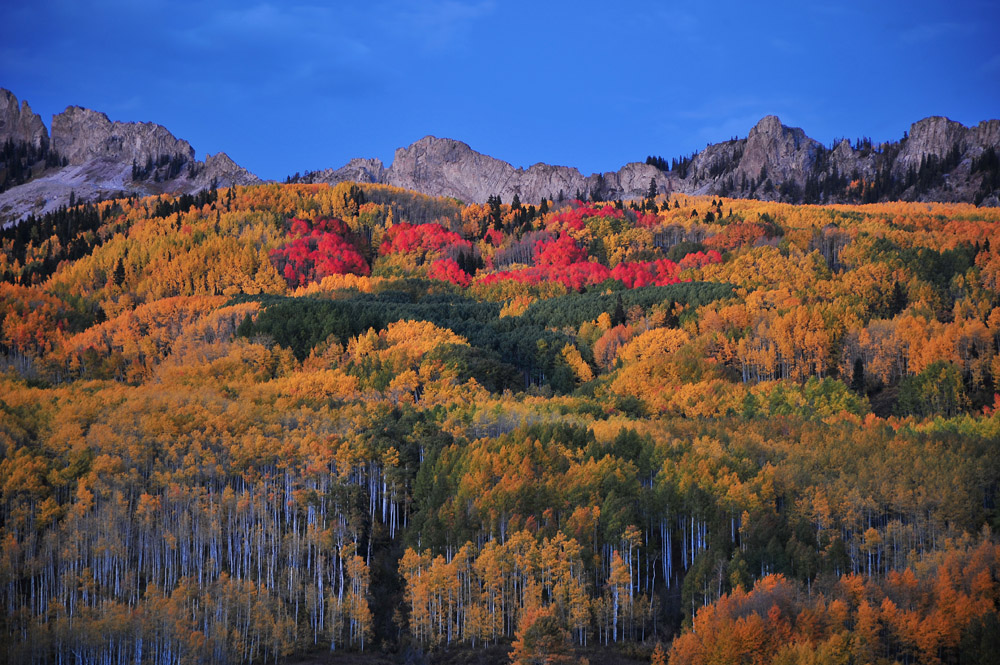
{"x":90,"y":157}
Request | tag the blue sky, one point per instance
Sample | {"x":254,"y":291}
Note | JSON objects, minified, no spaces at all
{"x":291,"y":86}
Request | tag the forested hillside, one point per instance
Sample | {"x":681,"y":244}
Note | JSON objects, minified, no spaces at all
{"x":280,"y":421}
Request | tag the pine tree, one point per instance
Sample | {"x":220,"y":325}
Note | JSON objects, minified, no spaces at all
{"x":119,"y":274}
{"x":899,"y":299}
{"x":618,"y":316}
{"x":858,"y":376}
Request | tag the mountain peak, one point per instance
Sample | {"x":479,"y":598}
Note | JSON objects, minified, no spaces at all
{"x":769,"y":124}
{"x":18,"y":123}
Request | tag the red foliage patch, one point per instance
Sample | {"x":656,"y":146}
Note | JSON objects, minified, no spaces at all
{"x":573,"y":217}
{"x":646,"y":220}
{"x":447,"y":270}
{"x":699,"y":259}
{"x":404,"y":238}
{"x":494,"y":237}
{"x":634,"y":274}
{"x":316,"y":250}
{"x":561,"y":252}
{"x":573,"y":275}
{"x":661,"y":272}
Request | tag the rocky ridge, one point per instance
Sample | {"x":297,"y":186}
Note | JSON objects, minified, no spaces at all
{"x":82,"y":135}
{"x":93,"y":157}
{"x":934,"y":161}
{"x":446,"y":167}
{"x":98,"y":158}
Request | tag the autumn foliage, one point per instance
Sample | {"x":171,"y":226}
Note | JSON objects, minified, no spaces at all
{"x":752,"y":431}
{"x":316,"y":250}
{"x":447,"y":270}
{"x":421,"y":239}
{"x":921,"y":616}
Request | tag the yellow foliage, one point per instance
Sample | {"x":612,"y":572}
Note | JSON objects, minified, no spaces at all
{"x":576,"y":362}
{"x":331,"y":283}
{"x":652,"y":344}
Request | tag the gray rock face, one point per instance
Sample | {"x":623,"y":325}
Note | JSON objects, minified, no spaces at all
{"x":633,"y":180}
{"x":20,"y":123}
{"x":784,"y":155}
{"x":985,"y":134}
{"x":546,"y":181}
{"x":930,"y":136}
{"x":363,"y":170}
{"x":843,"y":158}
{"x":443,"y":167}
{"x":784,"y":152}
{"x":81,"y":135}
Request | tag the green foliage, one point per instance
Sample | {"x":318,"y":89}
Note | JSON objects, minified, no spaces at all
{"x":682,"y":249}
{"x":576,"y":308}
{"x":937,"y":391}
{"x":816,"y":398}
{"x":504,"y":343}
{"x":981,"y":640}
{"x":482,"y":365}
{"x":933,"y":266}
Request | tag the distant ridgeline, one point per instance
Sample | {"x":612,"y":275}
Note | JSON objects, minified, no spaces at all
{"x":937,"y":160}
{"x":88,"y":158}
{"x":956,"y":164}
{"x":262,"y":423}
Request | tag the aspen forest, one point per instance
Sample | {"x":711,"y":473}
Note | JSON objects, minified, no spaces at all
{"x":355,"y":423}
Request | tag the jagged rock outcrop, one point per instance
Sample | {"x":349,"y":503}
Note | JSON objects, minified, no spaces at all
{"x":986,"y":133}
{"x":19,"y":123}
{"x":223,"y":172}
{"x":80,"y":135}
{"x":104,"y":158}
{"x":357,"y":170}
{"x":633,"y":180}
{"x":446,"y":167}
{"x":783,"y":153}
{"x":363,"y":170}
{"x":843,"y":157}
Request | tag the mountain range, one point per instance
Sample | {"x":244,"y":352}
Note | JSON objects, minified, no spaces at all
{"x":87,"y":157}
